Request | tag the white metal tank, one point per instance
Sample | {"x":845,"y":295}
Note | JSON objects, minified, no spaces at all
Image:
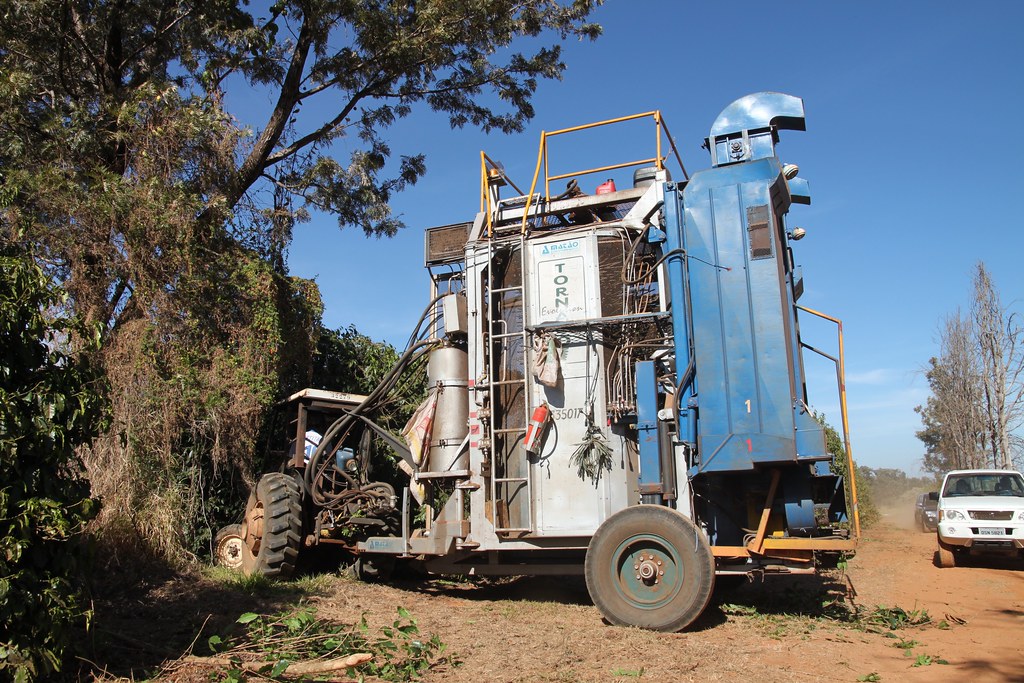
{"x":448,"y":372}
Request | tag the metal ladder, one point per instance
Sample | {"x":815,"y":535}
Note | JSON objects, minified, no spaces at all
{"x":498,"y":338}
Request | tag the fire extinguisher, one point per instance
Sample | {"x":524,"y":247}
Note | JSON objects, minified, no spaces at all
{"x":534,"y":430}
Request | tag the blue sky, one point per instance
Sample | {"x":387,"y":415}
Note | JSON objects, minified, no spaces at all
{"x":913,"y":152}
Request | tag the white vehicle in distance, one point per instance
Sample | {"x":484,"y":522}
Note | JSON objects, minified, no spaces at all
{"x":980,"y":511}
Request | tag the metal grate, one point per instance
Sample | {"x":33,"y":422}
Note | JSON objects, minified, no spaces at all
{"x":991,"y":515}
{"x":446,"y":244}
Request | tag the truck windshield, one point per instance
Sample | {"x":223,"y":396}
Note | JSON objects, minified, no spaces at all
{"x":992,"y":484}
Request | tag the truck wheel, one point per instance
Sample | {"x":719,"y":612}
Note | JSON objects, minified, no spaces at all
{"x":273,"y":521}
{"x":945,"y":557}
{"x":229,"y":547}
{"x":649,"y":566}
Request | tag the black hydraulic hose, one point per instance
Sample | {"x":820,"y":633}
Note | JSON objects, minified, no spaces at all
{"x":684,"y":383}
{"x":426,"y":311}
{"x":671,"y":252}
{"x":346,"y":421}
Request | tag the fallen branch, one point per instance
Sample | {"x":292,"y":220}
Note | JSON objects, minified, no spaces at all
{"x":320,"y":666}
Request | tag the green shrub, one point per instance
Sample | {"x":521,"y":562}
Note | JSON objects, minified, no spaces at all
{"x":49,"y":404}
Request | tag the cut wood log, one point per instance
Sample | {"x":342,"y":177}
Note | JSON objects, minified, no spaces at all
{"x":316,"y":666}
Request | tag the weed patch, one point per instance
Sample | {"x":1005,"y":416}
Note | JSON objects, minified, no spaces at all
{"x":296,"y":644}
{"x":894,"y":618}
{"x":927,"y":660}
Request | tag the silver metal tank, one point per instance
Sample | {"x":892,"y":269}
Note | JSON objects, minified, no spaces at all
{"x":448,"y":371}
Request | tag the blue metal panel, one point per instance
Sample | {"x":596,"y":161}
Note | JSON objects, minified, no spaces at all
{"x":647,"y":423}
{"x":746,"y":129}
{"x":678,"y":279}
{"x":799,"y":190}
{"x":739,"y":343}
{"x":760,"y":110}
{"x":799,"y":503}
{"x":744,"y":341}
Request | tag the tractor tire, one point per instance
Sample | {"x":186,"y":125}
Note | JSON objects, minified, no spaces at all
{"x":273,"y":534}
{"x":229,"y":547}
{"x":649,"y":566}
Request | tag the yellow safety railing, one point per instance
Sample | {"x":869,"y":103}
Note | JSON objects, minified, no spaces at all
{"x":489,"y":169}
{"x":851,"y":470}
{"x":543,"y":159}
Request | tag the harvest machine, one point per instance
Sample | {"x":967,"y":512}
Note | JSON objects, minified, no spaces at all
{"x":615,"y":389}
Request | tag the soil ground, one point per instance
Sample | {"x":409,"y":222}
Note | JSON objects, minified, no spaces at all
{"x":784,"y":629}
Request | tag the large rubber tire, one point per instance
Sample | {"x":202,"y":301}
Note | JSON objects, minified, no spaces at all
{"x":649,"y":566}
{"x":229,"y":547}
{"x":945,"y":557}
{"x":273,"y":549}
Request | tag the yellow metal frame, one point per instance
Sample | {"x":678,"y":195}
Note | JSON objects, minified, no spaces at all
{"x":801,"y":549}
{"x":851,"y":470}
{"x":485,"y":186}
{"x":543,"y":158}
{"x":792,"y":549}
{"x":543,"y":162}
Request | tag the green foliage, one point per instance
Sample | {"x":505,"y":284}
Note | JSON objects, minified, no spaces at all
{"x":629,"y":673}
{"x":347,"y":360}
{"x":927,"y":660}
{"x":260,"y":585}
{"x":50,"y":402}
{"x":399,"y":651}
{"x":183,"y":443}
{"x":867,"y":510}
{"x":592,"y":456}
{"x":872,"y":677}
{"x":895,"y":618}
{"x":869,"y":513}
{"x":168,"y":221}
{"x":781,"y":615}
{"x":906,"y":644}
{"x":894,"y":486}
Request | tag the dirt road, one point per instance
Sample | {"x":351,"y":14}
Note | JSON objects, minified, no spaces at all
{"x":547,"y":630}
{"x":794,"y":629}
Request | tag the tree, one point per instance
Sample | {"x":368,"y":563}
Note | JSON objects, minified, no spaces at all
{"x":49,"y":404}
{"x":867,"y":512}
{"x":167,"y":221}
{"x":127,"y":99}
{"x":977,"y":386}
{"x":1000,"y":342}
{"x":954,"y":433}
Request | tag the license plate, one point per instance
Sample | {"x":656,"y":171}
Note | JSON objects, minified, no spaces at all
{"x":991,"y":531}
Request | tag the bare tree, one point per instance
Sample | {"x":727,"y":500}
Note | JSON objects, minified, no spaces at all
{"x":955,"y":429}
{"x":1000,"y":346}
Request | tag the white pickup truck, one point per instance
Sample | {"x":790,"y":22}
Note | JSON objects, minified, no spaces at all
{"x":980,"y":511}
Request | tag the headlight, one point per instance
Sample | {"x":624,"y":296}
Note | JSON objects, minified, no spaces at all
{"x":951,"y":514}
{"x":1020,"y":515}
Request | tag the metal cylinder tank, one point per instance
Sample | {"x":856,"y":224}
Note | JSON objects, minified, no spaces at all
{"x":448,"y":372}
